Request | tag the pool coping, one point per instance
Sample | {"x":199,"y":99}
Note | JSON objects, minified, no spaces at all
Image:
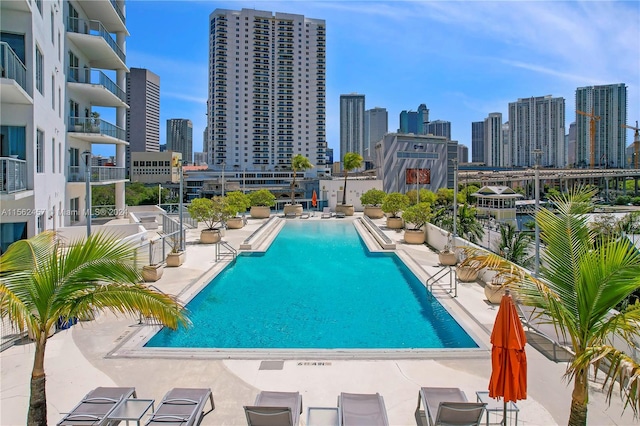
{"x":132,"y":344}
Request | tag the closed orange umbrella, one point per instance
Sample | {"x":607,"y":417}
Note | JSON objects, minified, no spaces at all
{"x":314,"y":199}
{"x":508,"y":358}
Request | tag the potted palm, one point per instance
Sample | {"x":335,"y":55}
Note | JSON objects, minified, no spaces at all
{"x":298,"y":163}
{"x":372,"y":200}
{"x":261,"y":202}
{"x":176,"y":256}
{"x":447,"y":256}
{"x":351,"y":161}
{"x":154,"y":270}
{"x":393,"y":204}
{"x":237,"y":202}
{"x":415,"y":217}
{"x":213,"y":213}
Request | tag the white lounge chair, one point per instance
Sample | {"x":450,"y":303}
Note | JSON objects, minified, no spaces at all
{"x":326,"y":213}
{"x":275,"y":409}
{"x":96,"y":406}
{"x":182,"y":407}
{"x":360,"y":409}
{"x":447,"y":406}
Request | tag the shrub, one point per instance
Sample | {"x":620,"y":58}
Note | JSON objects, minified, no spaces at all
{"x":211,"y":211}
{"x":373,"y":197}
{"x":237,"y":202}
{"x":417,"y":215}
{"x":394,"y":203}
{"x":262,"y":198}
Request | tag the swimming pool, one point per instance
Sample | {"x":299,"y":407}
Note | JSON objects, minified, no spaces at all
{"x":317,"y":287}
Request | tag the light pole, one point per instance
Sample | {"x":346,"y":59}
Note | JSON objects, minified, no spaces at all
{"x":455,"y":197}
{"x":536,"y":153}
{"x":159,"y":194}
{"x":223,"y":165}
{"x":180,"y":205}
{"x":86,"y":156}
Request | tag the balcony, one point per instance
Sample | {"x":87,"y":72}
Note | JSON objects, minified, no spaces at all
{"x":96,"y":86}
{"x":109,"y":13}
{"x":13,"y":175}
{"x":99,"y":174}
{"x":96,"y":130}
{"x":96,"y":42}
{"x":13,"y":75}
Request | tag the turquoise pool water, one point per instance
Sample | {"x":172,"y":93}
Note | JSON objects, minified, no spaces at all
{"x":317,"y":287}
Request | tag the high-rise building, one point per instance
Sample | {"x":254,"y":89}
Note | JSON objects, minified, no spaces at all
{"x":571,"y":145}
{"x":267,"y":89}
{"x":415,"y":122}
{"x":205,"y":145}
{"x":493,"y":146}
{"x":439,"y":128}
{"x":477,"y":142}
{"x":463,"y":153}
{"x":506,"y":145}
{"x":352,"y":124}
{"x":609,"y":104}
{"x":52,"y":93}
{"x":180,"y":137}
{"x":376,"y":125}
{"x":143,"y":115}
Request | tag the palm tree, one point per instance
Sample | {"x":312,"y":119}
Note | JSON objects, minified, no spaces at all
{"x":514,"y":246}
{"x":579,"y":284}
{"x":298,"y":162}
{"x":42,"y":280}
{"x":351,"y":161}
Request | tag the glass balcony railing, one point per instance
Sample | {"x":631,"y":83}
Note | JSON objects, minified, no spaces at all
{"x":94,"y":28}
{"x":98,"y":174}
{"x":13,"y":175}
{"x":118,"y":10}
{"x":93,"y":76}
{"x":12,"y":67}
{"x":97,"y":126}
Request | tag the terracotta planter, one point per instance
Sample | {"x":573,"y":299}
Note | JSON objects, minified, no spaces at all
{"x":260,"y":212}
{"x":395,"y":223}
{"x":295,"y":209}
{"x":467,"y":274}
{"x":347,"y":209}
{"x":412,"y":236}
{"x":176,"y":259}
{"x":493,"y":293}
{"x":373,"y":212}
{"x":235,"y":223}
{"x":447,"y":258}
{"x":152,"y":273}
{"x":210,"y":236}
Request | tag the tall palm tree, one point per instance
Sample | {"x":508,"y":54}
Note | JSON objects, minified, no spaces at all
{"x":298,"y":162}
{"x":351,"y":161}
{"x":42,"y":280}
{"x":579,"y":284}
{"x":514,"y":246}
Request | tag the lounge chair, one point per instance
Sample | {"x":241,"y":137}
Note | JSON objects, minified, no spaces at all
{"x":275,"y":409}
{"x":359,"y":409}
{"x":447,"y":406}
{"x":96,"y":406}
{"x":183,"y":407}
{"x":326,"y":213}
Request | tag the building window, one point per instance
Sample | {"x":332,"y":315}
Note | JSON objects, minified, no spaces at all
{"x":39,"y":151}
{"x":39,"y":71}
{"x":39,"y":5}
{"x":53,"y":92}
{"x":74,"y":209}
{"x":53,"y":155}
{"x":10,"y":233}
{"x":13,"y":142}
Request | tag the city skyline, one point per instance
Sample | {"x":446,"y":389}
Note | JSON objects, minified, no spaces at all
{"x":464,"y":60}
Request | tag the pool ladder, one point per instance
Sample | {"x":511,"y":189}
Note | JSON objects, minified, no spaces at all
{"x":442,"y":273}
{"x":224,"y":250}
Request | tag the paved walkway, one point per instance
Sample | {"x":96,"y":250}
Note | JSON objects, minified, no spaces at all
{"x":81,"y":358}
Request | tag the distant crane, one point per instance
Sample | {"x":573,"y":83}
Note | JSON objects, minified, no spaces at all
{"x":592,"y":130}
{"x":636,"y":143}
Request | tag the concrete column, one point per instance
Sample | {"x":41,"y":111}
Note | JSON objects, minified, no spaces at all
{"x":121,"y":122}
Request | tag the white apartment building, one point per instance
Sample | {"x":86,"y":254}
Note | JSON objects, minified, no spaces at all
{"x":493,"y":142}
{"x":266,"y":90}
{"x":60,"y":60}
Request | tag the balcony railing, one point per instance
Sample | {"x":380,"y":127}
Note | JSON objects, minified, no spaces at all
{"x":118,"y":10}
{"x":94,"y":28}
{"x":98,"y":174}
{"x":13,"y":175}
{"x":12,"y":67}
{"x":93,"y":76}
{"x":97,"y":126}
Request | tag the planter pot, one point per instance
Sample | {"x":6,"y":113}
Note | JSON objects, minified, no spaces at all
{"x":493,"y":292}
{"x":395,"y":223}
{"x":467,"y":274}
{"x":176,"y":259}
{"x":447,"y":258}
{"x":295,"y":209}
{"x":152,"y":273}
{"x":210,"y":236}
{"x":347,"y":209}
{"x":260,"y":212}
{"x":235,"y":223}
{"x":373,"y":212}
{"x":412,"y":236}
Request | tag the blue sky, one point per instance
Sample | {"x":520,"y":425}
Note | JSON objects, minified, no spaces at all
{"x":464,"y":60}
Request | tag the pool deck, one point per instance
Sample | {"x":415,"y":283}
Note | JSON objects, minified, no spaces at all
{"x":92,"y":354}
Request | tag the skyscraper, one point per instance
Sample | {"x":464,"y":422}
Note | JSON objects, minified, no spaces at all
{"x":414,"y":122}
{"x":609,"y":103}
{"x":537,"y":123}
{"x":477,"y":142}
{"x":143,"y":115}
{"x":493,"y":149}
{"x":351,"y":124}
{"x":376,"y":125}
{"x":180,"y":137}
{"x":439,"y":128}
{"x":266,"y":89}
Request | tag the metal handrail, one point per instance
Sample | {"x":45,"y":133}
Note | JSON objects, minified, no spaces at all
{"x":13,"y":175}
{"x":12,"y":67}
{"x":444,"y":271}
{"x":94,"y":28}
{"x":94,"y":76}
{"x":230,"y":251}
